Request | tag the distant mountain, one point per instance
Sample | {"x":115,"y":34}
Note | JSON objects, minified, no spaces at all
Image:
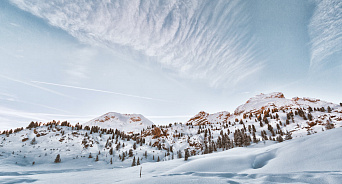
{"x":278,"y":100}
{"x":300,"y":116}
{"x":123,"y":122}
{"x":268,"y":118}
{"x":202,"y":118}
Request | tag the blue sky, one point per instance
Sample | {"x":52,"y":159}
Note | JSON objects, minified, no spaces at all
{"x":166,"y":60}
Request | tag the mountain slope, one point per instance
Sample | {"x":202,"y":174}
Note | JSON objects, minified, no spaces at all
{"x":273,"y":112}
{"x":124,"y":122}
{"x":265,"y":120}
{"x":278,"y":100}
{"x":310,"y":159}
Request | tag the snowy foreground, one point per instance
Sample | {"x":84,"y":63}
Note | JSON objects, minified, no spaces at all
{"x":312,"y":159}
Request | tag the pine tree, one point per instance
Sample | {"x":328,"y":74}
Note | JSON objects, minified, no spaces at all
{"x":179,"y":154}
{"x":138,"y":161}
{"x":287,"y":122}
{"x":186,"y":155}
{"x":130,"y":153}
{"x":33,"y":141}
{"x":133,"y":163}
{"x":97,"y":158}
{"x":118,"y":146}
{"x":158,"y":159}
{"x":111,"y":151}
{"x":135,"y":146}
{"x":123,"y":157}
{"x":58,"y":159}
{"x":329,"y":109}
{"x":288,"y":136}
{"x":310,"y":116}
{"x":329,"y":125}
{"x":280,"y":139}
{"x":111,"y":160}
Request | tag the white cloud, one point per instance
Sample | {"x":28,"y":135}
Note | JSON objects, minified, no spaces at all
{"x":209,"y":40}
{"x":77,"y":67}
{"x":325,"y":31}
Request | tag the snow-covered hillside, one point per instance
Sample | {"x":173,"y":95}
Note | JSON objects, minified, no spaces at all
{"x":124,"y":122}
{"x":120,"y":141}
{"x":311,"y":159}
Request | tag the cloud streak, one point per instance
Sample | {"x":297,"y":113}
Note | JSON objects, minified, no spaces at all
{"x":208,"y":40}
{"x":325,"y":31}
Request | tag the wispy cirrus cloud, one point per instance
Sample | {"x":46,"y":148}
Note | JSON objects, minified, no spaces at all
{"x":207,"y":40}
{"x":325,"y":31}
{"x":98,"y":90}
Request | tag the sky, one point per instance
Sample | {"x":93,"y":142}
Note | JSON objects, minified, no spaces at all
{"x":168,"y":60}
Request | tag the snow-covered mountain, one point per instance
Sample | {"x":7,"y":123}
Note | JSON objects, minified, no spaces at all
{"x":278,"y":100}
{"x":203,"y":118}
{"x":120,"y":140}
{"x":123,"y":122}
{"x":300,"y":116}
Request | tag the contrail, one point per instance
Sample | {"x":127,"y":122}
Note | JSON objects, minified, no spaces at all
{"x":98,"y":90}
{"x":32,"y":85}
